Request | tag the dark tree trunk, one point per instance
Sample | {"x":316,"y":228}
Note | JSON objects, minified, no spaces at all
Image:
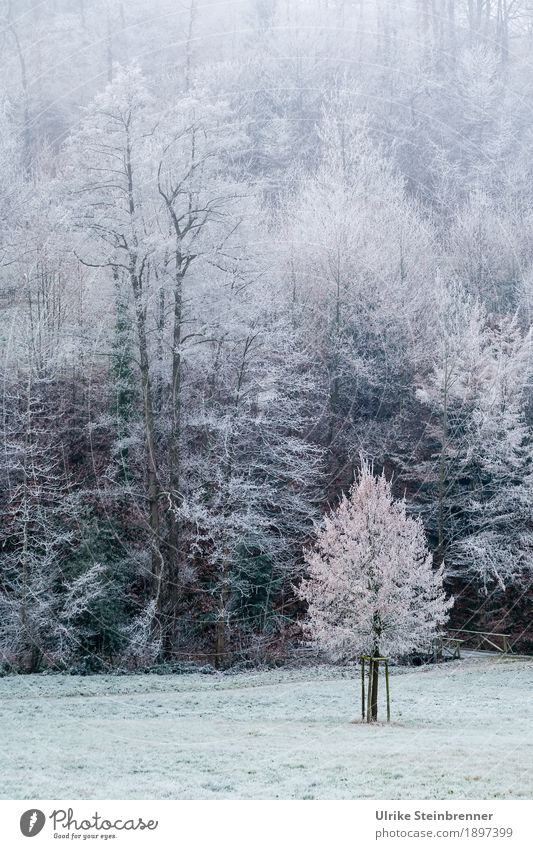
{"x":374,"y":686}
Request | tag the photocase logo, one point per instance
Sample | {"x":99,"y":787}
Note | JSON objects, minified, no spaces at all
{"x":63,"y":820}
{"x":32,"y":822}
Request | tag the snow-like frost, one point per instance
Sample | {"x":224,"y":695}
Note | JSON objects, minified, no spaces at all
{"x":458,"y":730}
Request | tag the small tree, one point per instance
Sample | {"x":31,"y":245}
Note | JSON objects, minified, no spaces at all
{"x":371,"y":587}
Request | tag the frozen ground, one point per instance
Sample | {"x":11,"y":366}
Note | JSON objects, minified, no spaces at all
{"x":459,"y":730}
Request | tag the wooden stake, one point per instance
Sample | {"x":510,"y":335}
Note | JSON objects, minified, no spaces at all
{"x":370,"y":682}
{"x":387,"y":688}
{"x":363,"y":688}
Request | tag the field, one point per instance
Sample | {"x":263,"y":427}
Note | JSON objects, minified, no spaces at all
{"x":459,"y":730}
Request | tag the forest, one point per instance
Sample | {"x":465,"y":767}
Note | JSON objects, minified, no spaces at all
{"x":245,"y":248}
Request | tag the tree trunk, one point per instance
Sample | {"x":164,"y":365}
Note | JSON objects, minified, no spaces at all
{"x":152,"y":471}
{"x":174,"y":463}
{"x":109,"y":49}
{"x":442,"y":485}
{"x":225,"y":582}
{"x":374,"y":687}
{"x":36,"y":657}
{"x":188,"y":45}
{"x":152,"y":478}
{"x":374,"y":671}
{"x":27,"y":129}
{"x":220,"y":647}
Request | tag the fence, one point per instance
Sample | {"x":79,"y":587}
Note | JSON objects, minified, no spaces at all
{"x":482,"y":640}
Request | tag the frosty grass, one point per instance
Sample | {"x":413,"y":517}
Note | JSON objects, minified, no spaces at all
{"x":458,"y":730}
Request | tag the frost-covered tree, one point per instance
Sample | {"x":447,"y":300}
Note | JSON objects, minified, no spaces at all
{"x":476,"y":486}
{"x":495,"y":545}
{"x":253,"y":469}
{"x":197,"y":143}
{"x":485,"y":250}
{"x":371,"y":587}
{"x":109,"y":177}
{"x":34,"y":541}
{"x":358,"y":263}
{"x":448,"y":388}
{"x":39,"y":530}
